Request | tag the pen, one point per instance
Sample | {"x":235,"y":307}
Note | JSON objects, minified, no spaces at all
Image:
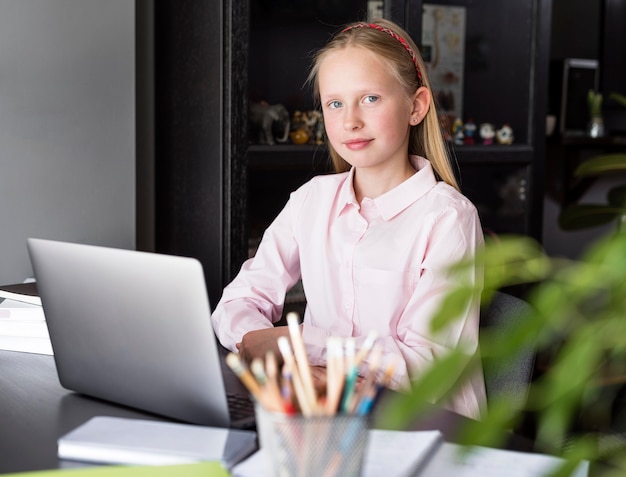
{"x":286,"y":390}
{"x":368,"y":386}
{"x":351,"y":375}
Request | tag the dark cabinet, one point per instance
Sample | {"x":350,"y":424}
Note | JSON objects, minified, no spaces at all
{"x":216,"y":188}
{"x":504,"y":82}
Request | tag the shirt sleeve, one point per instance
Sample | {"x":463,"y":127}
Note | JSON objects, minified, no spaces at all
{"x":255,"y":298}
{"x":454,"y":235}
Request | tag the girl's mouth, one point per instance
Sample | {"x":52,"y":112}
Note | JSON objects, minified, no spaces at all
{"x":356,"y":144}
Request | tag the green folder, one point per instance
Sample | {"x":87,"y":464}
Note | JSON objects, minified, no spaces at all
{"x":201,"y":469}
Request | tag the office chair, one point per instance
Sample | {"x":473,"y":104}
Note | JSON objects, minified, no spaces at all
{"x":510,"y":378}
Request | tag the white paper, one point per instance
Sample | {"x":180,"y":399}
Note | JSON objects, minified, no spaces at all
{"x":398,"y":453}
{"x":23,"y":328}
{"x":113,"y":440}
{"x":488,"y":462}
{"x":388,"y":454}
{"x":25,"y":344}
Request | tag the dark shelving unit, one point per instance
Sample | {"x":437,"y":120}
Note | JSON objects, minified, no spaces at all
{"x":505,"y":82}
{"x":213,"y":191}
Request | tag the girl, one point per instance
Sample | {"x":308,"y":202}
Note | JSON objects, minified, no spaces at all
{"x":372,"y":242}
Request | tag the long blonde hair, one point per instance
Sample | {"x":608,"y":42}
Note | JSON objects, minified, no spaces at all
{"x":425,"y":139}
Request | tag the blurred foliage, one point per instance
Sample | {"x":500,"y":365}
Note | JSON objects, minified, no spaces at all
{"x":577,"y":318}
{"x":583,"y":216}
{"x":619,"y":98}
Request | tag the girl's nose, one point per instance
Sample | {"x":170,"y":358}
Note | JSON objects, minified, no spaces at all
{"x":351,"y":120}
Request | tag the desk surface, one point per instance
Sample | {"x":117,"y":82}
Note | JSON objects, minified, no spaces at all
{"x":35,"y":411}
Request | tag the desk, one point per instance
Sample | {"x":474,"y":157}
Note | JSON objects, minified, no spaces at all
{"x":35,"y":411}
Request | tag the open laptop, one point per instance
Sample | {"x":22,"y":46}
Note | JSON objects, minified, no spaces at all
{"x":134,"y":328}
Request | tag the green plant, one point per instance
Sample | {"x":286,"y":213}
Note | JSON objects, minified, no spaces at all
{"x":583,"y":216}
{"x":578,"y":318}
{"x":594,"y":103}
{"x":619,"y":98}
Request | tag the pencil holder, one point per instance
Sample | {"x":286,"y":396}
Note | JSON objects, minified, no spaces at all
{"x":317,"y":446}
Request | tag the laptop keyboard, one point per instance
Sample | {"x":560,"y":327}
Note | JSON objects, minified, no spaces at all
{"x":240,"y":406}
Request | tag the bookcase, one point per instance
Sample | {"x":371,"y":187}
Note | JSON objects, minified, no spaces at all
{"x":215,"y":190}
{"x":505,"y":81}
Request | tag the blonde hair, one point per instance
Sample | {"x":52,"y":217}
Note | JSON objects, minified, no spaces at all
{"x":426,"y":138}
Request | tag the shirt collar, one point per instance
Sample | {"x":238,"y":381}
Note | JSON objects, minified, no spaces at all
{"x":392,"y":202}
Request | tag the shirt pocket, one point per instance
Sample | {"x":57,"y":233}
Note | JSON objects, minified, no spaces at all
{"x":381,"y":296}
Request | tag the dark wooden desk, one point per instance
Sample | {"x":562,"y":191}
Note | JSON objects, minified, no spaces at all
{"x":35,"y":411}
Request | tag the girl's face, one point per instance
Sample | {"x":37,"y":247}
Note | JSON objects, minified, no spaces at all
{"x":367,"y":112}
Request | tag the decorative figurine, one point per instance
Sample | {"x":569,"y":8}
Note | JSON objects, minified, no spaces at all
{"x":299,"y":136}
{"x":504,"y":135}
{"x":469,"y":130}
{"x":309,"y":124}
{"x":266,"y":118}
{"x":457,"y":131}
{"x":318,"y":130}
{"x":487,"y":132}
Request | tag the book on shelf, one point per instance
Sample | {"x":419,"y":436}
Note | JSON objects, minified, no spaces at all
{"x":115,"y":440}
{"x":25,"y":292}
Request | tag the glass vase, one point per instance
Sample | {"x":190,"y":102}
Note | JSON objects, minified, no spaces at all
{"x":595,"y":128}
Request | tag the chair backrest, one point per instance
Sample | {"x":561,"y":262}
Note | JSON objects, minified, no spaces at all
{"x":510,"y":378}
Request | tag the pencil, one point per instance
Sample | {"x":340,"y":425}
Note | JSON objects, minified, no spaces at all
{"x":370,"y":339}
{"x":293,"y":322}
{"x":272,"y":401}
{"x":271,"y":370}
{"x":334,"y":374}
{"x":233,"y":361}
{"x":302,"y":399}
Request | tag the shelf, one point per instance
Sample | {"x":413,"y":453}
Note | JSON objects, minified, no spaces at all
{"x":314,"y":158}
{"x":494,"y":154}
{"x":306,"y":158}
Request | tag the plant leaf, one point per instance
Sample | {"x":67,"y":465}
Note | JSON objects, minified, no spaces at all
{"x":620,"y":98}
{"x":582,"y":216}
{"x":603,"y":164}
{"x":617,"y":196}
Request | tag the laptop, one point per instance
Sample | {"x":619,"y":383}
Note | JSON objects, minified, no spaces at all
{"x":134,"y":328}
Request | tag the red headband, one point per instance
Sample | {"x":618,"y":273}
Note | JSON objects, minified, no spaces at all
{"x":393,"y":34}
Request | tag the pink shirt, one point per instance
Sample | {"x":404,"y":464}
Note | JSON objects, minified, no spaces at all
{"x":378,"y":265}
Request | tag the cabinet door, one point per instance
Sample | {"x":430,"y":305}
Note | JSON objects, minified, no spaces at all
{"x":505,"y":75}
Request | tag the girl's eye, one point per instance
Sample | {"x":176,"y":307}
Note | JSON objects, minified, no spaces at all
{"x":334,"y":104}
{"x":370,"y":99}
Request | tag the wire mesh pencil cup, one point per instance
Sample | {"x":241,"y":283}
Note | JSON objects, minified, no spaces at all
{"x":316,"y":446}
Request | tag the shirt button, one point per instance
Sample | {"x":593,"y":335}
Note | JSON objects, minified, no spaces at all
{"x":347,"y":306}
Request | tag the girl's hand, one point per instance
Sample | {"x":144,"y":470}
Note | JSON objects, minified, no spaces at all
{"x":318,"y":373}
{"x":258,"y":342}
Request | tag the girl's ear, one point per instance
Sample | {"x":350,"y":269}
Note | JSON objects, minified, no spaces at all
{"x":421,"y":104}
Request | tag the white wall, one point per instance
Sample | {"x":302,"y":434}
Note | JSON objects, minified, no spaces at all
{"x":67,"y":125}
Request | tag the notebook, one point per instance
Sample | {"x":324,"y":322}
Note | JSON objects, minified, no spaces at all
{"x":134,"y":328}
